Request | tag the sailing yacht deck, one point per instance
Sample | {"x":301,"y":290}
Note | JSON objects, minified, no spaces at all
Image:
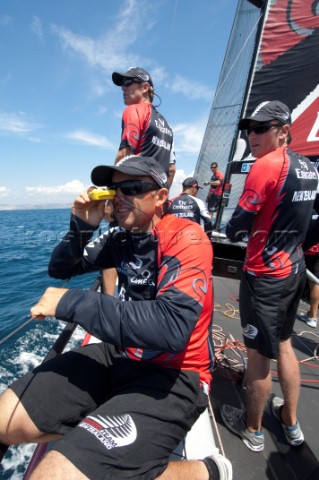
{"x":278,"y":460}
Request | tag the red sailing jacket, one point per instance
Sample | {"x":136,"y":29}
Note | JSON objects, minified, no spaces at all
{"x":218,"y":190}
{"x":147,"y":133}
{"x":275,"y":210}
{"x":165,"y":302}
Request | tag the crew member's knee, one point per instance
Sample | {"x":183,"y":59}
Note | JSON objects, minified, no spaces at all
{"x":15,"y":424}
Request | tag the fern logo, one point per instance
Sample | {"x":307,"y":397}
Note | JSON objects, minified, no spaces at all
{"x":113,"y":432}
{"x":250,"y":331}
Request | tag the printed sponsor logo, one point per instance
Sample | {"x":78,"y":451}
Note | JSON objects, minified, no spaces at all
{"x":304,"y":195}
{"x":112,"y":432}
{"x":307,"y":175}
{"x":246,"y":167}
{"x":160,"y":124}
{"x":182,"y":205}
{"x":161,"y":143}
{"x":140,"y":277}
{"x":144,"y":278}
{"x":250,"y":331}
{"x":185,"y":214}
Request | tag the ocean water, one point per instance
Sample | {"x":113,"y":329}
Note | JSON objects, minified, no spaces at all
{"x":27,"y":238}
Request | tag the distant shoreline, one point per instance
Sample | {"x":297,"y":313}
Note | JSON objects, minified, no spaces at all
{"x":49,"y":206}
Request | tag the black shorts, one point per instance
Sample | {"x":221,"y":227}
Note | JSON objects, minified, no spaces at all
{"x":312,"y":263}
{"x":119,"y":418}
{"x":213,"y":202}
{"x":268,"y":308}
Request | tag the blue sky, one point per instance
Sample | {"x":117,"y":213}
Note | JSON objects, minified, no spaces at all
{"x":60,"y":113}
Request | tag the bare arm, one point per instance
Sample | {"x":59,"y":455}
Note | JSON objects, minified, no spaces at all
{"x":215,"y":183}
{"x":47,"y":304}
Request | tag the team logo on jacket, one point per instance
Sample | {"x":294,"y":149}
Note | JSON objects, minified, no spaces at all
{"x":250,"y":331}
{"x":112,"y":432}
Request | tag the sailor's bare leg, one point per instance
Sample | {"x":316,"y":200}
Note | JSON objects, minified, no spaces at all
{"x":258,"y":385}
{"x":314,"y":300}
{"x":289,"y":378}
{"x":15,"y":424}
{"x":109,"y":281}
{"x":189,"y":470}
{"x":56,"y":466}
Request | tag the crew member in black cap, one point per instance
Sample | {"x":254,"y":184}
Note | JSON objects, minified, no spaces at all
{"x":274,"y":210}
{"x":119,"y":407}
{"x":269,"y":111}
{"x":186,"y":205}
{"x":145,"y":131}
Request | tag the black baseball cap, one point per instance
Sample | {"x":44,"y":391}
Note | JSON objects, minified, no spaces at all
{"x":191,"y":182}
{"x":132,"y":72}
{"x":134,"y":165}
{"x":267,"y":111}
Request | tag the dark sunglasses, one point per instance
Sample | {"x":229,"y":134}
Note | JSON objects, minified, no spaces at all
{"x":129,"y":81}
{"x":259,"y":129}
{"x":134,"y":187}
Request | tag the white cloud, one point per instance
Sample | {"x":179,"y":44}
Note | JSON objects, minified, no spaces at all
{"x":16,"y":123}
{"x":73,"y":187}
{"x":110,"y":50}
{"x":36,"y":27}
{"x":5,"y":20}
{"x":98,"y":90}
{"x":83,"y":136}
{"x":188,"y":137}
{"x":191,"y":90}
{"x":5,"y":79}
{"x":176,"y":187}
{"x":4,"y":192}
{"x":101,"y":110}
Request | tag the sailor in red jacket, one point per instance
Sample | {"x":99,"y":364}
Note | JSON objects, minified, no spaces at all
{"x":145,"y":131}
{"x":216,"y":188}
{"x":274,"y":210}
{"x":124,"y":404}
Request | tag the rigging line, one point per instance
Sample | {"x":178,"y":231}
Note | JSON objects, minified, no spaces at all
{"x":24,"y":324}
{"x":211,"y":411}
{"x":16,"y":330}
{"x":239,"y":53}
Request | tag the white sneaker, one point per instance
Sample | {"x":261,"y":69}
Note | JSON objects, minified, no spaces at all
{"x":222,"y":463}
{"x":311,"y":322}
{"x":294,"y":434}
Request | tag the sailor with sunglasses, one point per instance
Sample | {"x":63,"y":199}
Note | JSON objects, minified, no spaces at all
{"x":274,"y":210}
{"x":145,"y":131}
{"x":124,"y":404}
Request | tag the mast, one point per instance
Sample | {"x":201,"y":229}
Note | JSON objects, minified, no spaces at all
{"x":262,"y":4}
{"x":220,"y":138}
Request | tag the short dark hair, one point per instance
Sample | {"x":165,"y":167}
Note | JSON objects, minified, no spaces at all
{"x":214,"y":164}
